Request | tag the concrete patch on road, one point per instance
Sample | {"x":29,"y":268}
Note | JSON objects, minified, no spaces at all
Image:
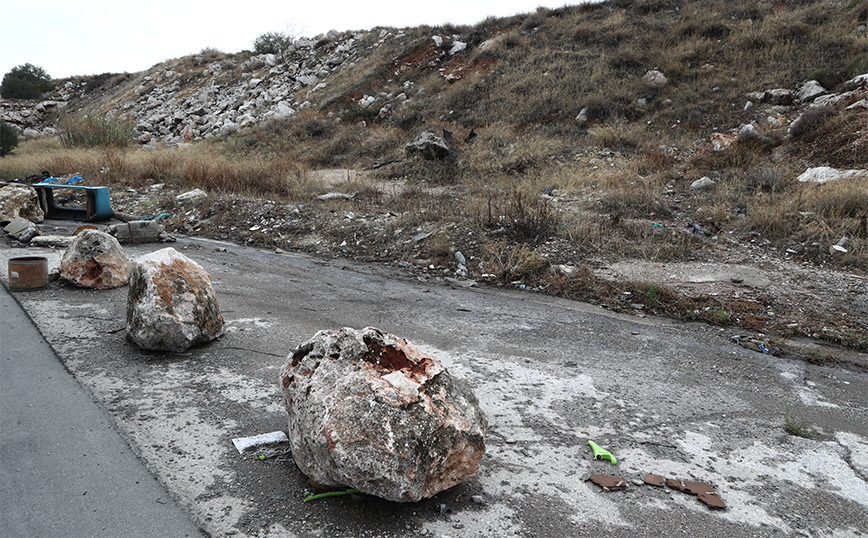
{"x":530,"y":451}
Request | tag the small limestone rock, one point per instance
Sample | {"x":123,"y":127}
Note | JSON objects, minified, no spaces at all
{"x":95,"y":260}
{"x":171,"y":305}
{"x":655,"y":78}
{"x":21,"y":229}
{"x":368,"y":410}
{"x":191,"y":196}
{"x":810,"y":90}
{"x":702,"y":183}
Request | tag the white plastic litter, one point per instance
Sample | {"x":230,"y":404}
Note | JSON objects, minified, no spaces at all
{"x":245,"y":443}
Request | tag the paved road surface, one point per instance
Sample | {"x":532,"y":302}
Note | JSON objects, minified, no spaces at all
{"x":678,"y":400}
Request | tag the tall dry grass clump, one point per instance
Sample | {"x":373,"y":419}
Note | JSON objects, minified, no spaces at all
{"x":88,"y":129}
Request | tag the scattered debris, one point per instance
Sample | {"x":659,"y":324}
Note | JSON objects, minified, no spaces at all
{"x":703,"y":490}
{"x":337,"y":196}
{"x":608,"y":483}
{"x":28,"y":272}
{"x":370,"y":411}
{"x":191,"y":196}
{"x":756,"y":343}
{"x":602,"y":454}
{"x":243,"y":444}
{"x":654,"y":480}
{"x":348,"y":491}
{"x":140,"y":231}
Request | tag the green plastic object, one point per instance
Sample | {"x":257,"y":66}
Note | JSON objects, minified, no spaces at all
{"x":602,"y":454}
{"x":331,"y":494}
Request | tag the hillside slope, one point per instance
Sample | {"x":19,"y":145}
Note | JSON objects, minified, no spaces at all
{"x":646,"y":155}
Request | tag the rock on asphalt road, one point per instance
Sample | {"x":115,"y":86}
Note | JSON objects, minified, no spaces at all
{"x":674,"y":399}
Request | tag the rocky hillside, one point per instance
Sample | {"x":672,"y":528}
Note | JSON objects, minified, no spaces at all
{"x":618,"y":152}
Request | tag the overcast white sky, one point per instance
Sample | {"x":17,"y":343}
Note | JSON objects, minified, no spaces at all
{"x":88,"y":37}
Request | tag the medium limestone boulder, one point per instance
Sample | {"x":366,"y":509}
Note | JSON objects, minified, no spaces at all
{"x":95,"y":260}
{"x":172,"y":305}
{"x":19,"y":201}
{"x":429,"y":146}
{"x":368,"y":410}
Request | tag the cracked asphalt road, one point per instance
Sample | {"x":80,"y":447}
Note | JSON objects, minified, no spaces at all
{"x":674,"y":399}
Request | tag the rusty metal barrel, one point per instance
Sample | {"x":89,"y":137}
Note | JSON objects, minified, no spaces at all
{"x":28,"y":273}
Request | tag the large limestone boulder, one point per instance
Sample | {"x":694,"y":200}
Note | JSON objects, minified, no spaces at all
{"x":172,"y":305}
{"x":19,"y":201}
{"x":95,"y":260}
{"x":370,"y":411}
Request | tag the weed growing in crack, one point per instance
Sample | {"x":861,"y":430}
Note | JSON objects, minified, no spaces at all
{"x":796,"y":427}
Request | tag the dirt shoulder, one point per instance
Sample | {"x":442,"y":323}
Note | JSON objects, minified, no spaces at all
{"x":817,"y":310}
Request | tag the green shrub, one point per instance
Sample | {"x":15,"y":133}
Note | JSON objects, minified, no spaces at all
{"x":272,"y":43}
{"x":8,"y":139}
{"x":95,"y":129}
{"x":26,"y":81}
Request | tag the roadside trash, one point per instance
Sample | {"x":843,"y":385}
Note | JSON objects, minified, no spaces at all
{"x":696,"y":230}
{"x":28,"y":273}
{"x":140,"y":231}
{"x":602,"y":454}
{"x":838,"y":248}
{"x":608,"y":483}
{"x":654,"y":480}
{"x":337,"y":196}
{"x":418,"y":236}
{"x":348,"y":491}
{"x":190,"y":196}
{"x":97,"y":207}
{"x":758,"y":343}
{"x":657,"y":225}
{"x":246,"y":443}
{"x":703,"y":490}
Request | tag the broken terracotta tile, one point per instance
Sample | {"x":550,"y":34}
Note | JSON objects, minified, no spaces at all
{"x":654,"y":480}
{"x":676,"y":484}
{"x":703,"y":490}
{"x":608,"y":483}
{"x":706,"y":494}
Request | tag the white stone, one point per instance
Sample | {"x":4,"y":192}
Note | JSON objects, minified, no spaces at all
{"x":171,"y":305}
{"x":702,"y":183}
{"x":825,"y":174}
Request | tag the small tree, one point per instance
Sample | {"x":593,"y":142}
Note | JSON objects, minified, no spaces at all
{"x":26,"y":81}
{"x":272,"y":43}
{"x":8,"y":139}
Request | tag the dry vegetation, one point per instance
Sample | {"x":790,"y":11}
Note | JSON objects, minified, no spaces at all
{"x":617,"y":188}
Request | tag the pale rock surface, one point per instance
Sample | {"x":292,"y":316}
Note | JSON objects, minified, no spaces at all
{"x":429,"y":146}
{"x":172,"y":305}
{"x":655,"y":78}
{"x":19,"y":201}
{"x":810,"y":90}
{"x":825,"y":174}
{"x":368,"y":410}
{"x":95,"y":260}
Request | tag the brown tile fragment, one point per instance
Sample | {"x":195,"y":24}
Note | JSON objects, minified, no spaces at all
{"x":654,"y":480}
{"x":703,"y":490}
{"x":608,"y":483}
{"x":676,"y":484}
